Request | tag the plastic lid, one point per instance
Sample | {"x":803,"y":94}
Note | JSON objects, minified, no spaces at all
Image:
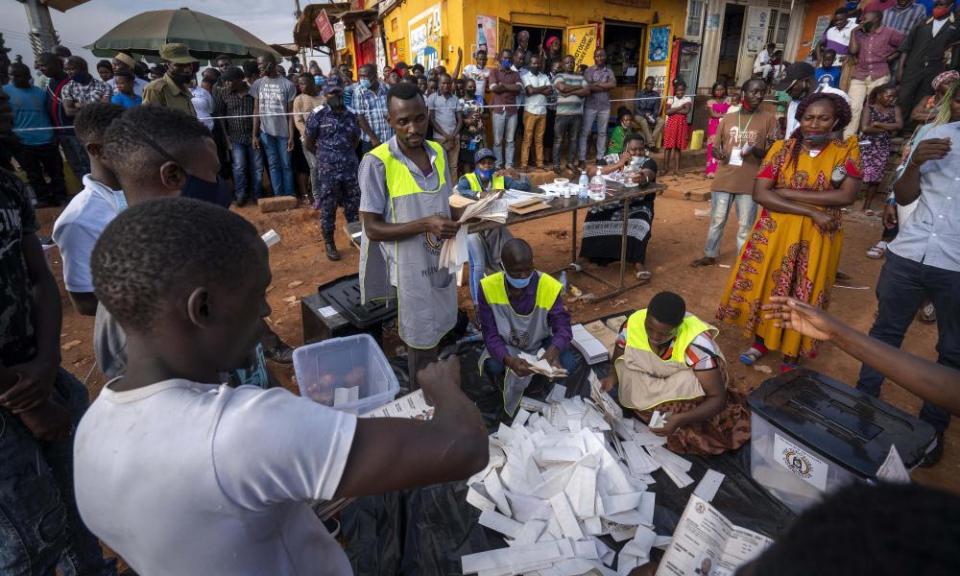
{"x":851,"y":428}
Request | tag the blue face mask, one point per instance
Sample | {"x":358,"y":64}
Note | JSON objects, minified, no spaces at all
{"x":506,"y":63}
{"x":485,"y":175}
{"x":518,"y":283}
{"x":217,"y":192}
{"x":364,"y":83}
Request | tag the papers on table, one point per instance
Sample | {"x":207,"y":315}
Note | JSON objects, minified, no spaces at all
{"x":590,"y":347}
{"x":705,"y":540}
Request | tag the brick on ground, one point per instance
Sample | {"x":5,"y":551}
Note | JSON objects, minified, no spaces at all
{"x":277,"y":204}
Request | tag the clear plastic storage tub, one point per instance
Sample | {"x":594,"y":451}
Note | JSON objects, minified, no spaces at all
{"x":348,"y":362}
{"x":811,"y":435}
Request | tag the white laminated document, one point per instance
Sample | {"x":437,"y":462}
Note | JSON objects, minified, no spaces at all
{"x":707,"y":542}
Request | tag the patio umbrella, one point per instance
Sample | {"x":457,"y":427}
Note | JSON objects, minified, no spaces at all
{"x":205,"y":36}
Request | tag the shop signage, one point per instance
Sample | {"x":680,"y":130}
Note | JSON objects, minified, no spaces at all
{"x":363,"y":33}
{"x":340,"y":33}
{"x":323,"y":25}
{"x":424,"y":35}
{"x":581,"y":43}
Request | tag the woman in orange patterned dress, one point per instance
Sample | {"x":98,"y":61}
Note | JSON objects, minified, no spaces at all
{"x":794,"y":249}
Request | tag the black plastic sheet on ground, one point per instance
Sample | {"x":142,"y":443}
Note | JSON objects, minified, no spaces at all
{"x":426,"y":531}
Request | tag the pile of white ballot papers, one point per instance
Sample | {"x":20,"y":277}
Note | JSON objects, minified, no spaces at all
{"x":592,"y":349}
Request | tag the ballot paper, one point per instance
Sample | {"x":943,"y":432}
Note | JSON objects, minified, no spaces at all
{"x":539,"y":365}
{"x":592,"y":350}
{"x":892,"y":469}
{"x":555,"y":482}
{"x":705,"y":542}
{"x":453,"y":253}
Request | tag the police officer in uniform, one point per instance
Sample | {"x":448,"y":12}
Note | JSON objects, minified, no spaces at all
{"x":405,"y":212}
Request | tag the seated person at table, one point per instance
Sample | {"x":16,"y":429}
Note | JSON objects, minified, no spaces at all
{"x":603,"y":227}
{"x":521,"y":310}
{"x":173,"y":470}
{"x":484,"y":247}
{"x":667,"y":360}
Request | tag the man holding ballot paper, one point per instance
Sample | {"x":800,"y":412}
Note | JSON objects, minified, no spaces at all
{"x":405,"y":211}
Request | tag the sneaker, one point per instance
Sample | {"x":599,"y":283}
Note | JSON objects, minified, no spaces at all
{"x":928,"y":314}
{"x":333,"y":526}
{"x":933,"y":456}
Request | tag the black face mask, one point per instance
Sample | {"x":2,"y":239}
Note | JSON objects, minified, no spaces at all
{"x":217,"y":192}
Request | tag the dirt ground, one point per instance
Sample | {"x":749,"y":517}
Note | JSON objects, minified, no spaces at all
{"x":299,"y":266}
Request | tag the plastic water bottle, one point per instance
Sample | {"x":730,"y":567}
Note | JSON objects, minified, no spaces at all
{"x":584,"y":188}
{"x":597,"y":186}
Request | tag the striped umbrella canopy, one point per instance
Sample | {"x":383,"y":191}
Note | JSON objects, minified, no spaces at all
{"x":206,"y":36}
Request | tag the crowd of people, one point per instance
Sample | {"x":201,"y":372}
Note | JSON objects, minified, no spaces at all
{"x":177,"y":284}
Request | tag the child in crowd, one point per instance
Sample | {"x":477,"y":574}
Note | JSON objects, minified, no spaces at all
{"x":880,"y":121}
{"x":624,"y":126}
{"x":84,"y":219}
{"x":676,"y":131}
{"x":471,"y":131}
{"x":734,"y":102}
{"x":827,"y":73}
{"x":187,"y":282}
{"x":717,"y":106}
{"x":124,"y":95}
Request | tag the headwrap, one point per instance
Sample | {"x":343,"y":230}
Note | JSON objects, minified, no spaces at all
{"x":945,"y":78}
{"x":551,"y":41}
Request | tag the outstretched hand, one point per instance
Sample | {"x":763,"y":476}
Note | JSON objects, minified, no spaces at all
{"x":801,"y":317}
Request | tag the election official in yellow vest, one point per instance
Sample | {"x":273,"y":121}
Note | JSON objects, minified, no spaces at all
{"x":668,"y":360}
{"x":405,"y":212}
{"x":484,"y":247}
{"x":521,"y":310}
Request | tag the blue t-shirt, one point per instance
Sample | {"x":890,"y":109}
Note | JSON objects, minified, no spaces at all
{"x":30,"y":111}
{"x":829,"y":75}
{"x":126,"y":101}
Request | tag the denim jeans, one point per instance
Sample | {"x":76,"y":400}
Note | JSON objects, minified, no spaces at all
{"x":566,"y":129}
{"x":504,"y":129}
{"x":602,"y":118}
{"x":40,"y":527}
{"x":76,"y":155}
{"x":245,"y":156}
{"x":478,"y":263}
{"x":903,"y":286}
{"x":496,"y":369}
{"x":719,"y":209}
{"x":279,"y":163}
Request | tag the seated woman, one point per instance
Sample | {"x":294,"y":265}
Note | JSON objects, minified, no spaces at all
{"x":624,"y":126}
{"x":603,"y":226}
{"x":484,"y":247}
{"x":667,"y":360}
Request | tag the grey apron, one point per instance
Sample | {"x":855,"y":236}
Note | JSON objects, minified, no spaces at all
{"x":521,"y":334}
{"x":426,"y":295}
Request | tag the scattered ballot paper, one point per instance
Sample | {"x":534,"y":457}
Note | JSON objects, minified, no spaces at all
{"x":658,"y":419}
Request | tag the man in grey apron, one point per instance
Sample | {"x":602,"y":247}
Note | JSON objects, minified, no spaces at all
{"x":521,"y":310}
{"x":405,"y":211}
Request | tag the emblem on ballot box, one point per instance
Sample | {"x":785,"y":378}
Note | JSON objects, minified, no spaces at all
{"x":801,"y":463}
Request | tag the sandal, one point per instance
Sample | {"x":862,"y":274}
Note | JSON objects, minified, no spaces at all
{"x":788,"y":367}
{"x":705,"y":261}
{"x":752,"y":354}
{"x":644,"y":276}
{"x":878,"y":250}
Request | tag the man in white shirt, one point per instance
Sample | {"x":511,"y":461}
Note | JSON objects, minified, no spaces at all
{"x":478,"y":72}
{"x":181,"y":475}
{"x":799,"y":81}
{"x":79,"y":225}
{"x":537,"y":86}
{"x":761,"y":65}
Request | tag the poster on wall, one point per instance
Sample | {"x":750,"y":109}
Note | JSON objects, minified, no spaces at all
{"x":581,"y":43}
{"x":659,"y":46}
{"x":381,"y":53}
{"x":486,"y":34}
{"x":659,"y":74}
{"x":424,"y":34}
{"x":398,"y":52}
{"x":363,"y":32}
{"x":340,"y":34}
{"x":758,"y":20}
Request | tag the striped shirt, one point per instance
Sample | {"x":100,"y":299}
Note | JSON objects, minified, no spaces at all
{"x":373,"y":106}
{"x":903,"y":20}
{"x":232,"y":104}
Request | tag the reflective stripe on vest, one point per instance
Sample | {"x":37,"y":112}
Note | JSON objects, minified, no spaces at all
{"x":494,"y":289}
{"x":474,"y":180}
{"x":400,"y":181}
